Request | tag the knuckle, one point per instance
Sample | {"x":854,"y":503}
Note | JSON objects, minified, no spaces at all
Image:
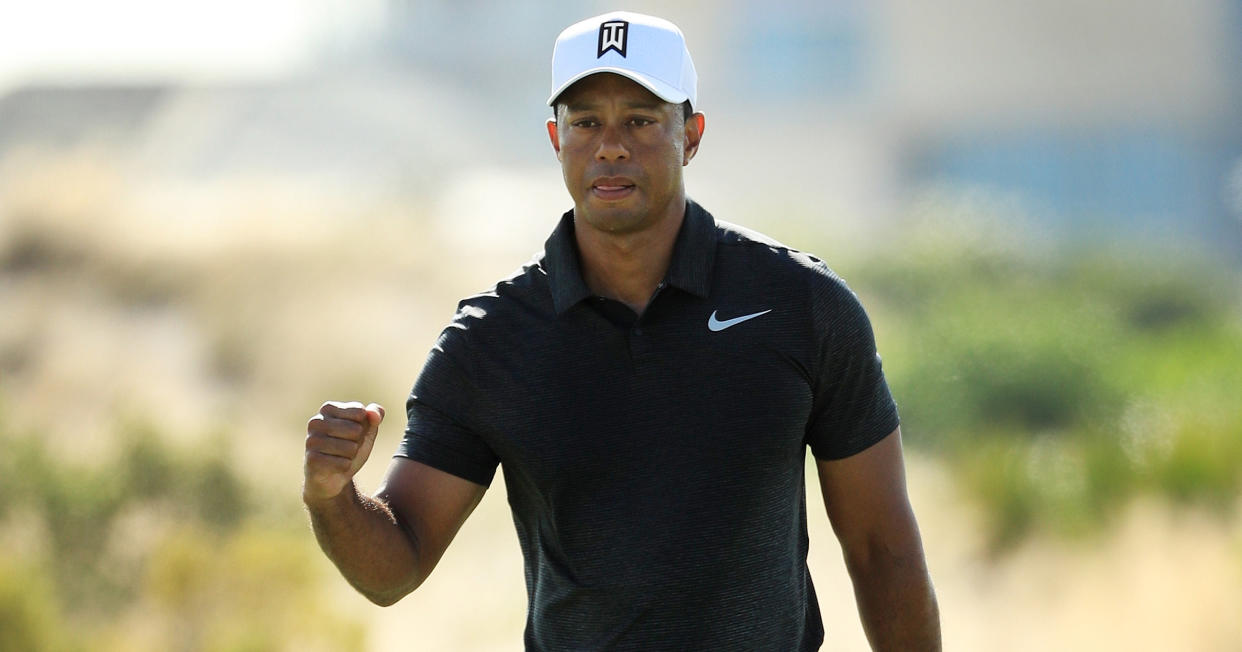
{"x":321,"y":464}
{"x":342,"y":429}
{"x":323,"y":450}
{"x":347,"y":410}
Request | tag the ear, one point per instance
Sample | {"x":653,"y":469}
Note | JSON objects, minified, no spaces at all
{"x":555,"y":137}
{"x":695,"y":125}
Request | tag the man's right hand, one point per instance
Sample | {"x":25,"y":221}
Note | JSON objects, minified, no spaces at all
{"x":338,"y":442}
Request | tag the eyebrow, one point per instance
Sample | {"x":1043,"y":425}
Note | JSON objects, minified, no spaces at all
{"x":635,"y":104}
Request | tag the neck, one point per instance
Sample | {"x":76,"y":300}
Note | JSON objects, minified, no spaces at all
{"x":627,"y":267}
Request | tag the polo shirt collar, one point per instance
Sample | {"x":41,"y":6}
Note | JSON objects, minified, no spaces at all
{"x":690,"y":269}
{"x":694,"y":252}
{"x":564,"y":271}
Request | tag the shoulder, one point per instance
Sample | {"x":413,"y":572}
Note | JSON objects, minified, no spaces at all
{"x":741,"y":247}
{"x":524,"y":288}
{"x":514,"y":300}
{"x":828,"y":310}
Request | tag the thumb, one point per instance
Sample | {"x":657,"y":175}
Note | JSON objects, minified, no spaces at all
{"x":375,"y":414}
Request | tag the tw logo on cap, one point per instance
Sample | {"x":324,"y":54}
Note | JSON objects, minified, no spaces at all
{"x":612,"y":36}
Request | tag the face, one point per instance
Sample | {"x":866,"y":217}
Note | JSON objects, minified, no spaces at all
{"x":622,"y":150}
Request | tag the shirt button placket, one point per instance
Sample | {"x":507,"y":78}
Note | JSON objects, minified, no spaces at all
{"x":640,"y":341}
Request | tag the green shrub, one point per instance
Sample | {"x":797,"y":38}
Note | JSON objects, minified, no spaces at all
{"x":30,"y":617}
{"x":156,"y":548}
{"x":1060,"y":384}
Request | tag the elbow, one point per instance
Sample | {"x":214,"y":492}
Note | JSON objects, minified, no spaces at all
{"x":383,"y":599}
{"x":386,"y":597}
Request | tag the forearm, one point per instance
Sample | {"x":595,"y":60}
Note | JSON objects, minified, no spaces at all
{"x":373,"y":552}
{"x":896,"y":601}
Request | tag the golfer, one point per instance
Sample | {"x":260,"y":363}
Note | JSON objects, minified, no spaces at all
{"x":649,"y":385}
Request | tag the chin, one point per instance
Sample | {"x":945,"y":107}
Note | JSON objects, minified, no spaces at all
{"x":615,"y":224}
{"x":613,"y":218}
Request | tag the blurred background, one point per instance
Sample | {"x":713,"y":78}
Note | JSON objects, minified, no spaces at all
{"x":214,"y":216}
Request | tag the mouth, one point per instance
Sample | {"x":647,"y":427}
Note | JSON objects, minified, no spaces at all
{"x":612,"y":188}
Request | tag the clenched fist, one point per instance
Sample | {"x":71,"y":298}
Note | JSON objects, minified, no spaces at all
{"x":338,"y":443}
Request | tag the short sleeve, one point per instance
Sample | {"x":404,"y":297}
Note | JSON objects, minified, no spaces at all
{"x":438,"y":415}
{"x":852,"y":407}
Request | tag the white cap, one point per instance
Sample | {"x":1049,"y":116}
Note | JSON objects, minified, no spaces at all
{"x":646,"y":49}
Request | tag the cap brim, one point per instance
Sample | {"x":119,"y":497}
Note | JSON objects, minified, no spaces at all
{"x":661,"y":90}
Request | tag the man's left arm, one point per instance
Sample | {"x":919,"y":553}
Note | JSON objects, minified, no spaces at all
{"x":865,"y":495}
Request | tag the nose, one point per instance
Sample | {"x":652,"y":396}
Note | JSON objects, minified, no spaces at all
{"x":611,"y":147}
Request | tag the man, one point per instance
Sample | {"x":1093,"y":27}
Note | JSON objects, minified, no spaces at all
{"x":649,"y":386}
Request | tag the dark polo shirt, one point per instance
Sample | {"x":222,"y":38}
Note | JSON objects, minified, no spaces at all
{"x":654,"y":463}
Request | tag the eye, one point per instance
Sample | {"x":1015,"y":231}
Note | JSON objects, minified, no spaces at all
{"x":585,"y":123}
{"x":641,"y":122}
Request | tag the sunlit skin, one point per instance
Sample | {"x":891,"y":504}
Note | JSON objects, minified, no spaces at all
{"x":622,"y":152}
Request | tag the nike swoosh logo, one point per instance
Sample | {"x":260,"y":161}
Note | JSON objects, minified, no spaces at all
{"x":715,"y":325}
